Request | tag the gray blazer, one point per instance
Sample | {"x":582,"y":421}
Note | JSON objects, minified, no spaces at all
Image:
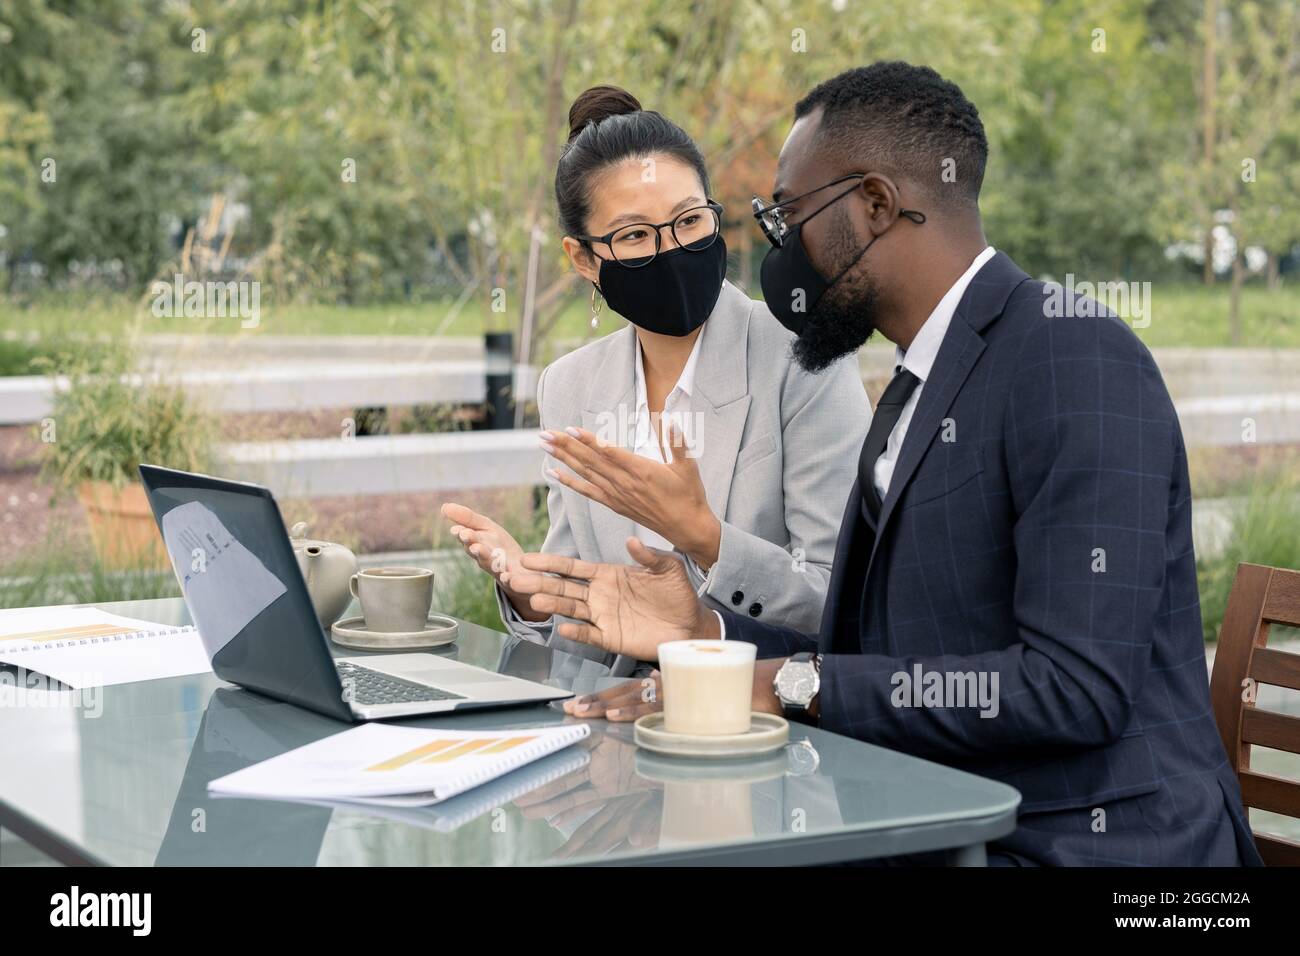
{"x":778,"y":454}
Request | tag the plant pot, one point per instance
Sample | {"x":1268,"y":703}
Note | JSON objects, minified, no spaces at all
{"x":122,"y":526}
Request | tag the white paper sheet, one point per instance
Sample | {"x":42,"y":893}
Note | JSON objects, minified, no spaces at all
{"x":225,"y":584}
{"x":454,"y":813}
{"x":87,"y":647}
{"x":402,"y":766}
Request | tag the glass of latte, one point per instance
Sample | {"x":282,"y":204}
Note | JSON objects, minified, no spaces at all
{"x":708,"y":686}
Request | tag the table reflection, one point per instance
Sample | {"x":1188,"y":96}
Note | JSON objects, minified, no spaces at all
{"x":599,"y":798}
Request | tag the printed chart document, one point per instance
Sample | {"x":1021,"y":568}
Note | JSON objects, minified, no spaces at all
{"x":454,"y":813}
{"x":87,"y":647}
{"x":396,"y":766}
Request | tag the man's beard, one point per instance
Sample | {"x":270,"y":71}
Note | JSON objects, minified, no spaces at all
{"x":845,"y":316}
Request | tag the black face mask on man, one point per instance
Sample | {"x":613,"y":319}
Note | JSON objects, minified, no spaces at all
{"x":792,"y":286}
{"x":802,"y":300}
{"x":846,"y":313}
{"x":673,"y":294}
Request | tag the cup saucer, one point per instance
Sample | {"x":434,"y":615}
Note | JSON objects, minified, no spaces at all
{"x":767,"y":732}
{"x":351,"y":632}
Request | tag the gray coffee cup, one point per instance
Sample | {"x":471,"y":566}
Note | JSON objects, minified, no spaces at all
{"x":394,"y":599}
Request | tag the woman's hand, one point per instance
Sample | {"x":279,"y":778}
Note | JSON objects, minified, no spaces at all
{"x":668,"y":499}
{"x":493,"y":548}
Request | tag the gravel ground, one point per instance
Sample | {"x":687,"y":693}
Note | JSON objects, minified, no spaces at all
{"x":27,"y":513}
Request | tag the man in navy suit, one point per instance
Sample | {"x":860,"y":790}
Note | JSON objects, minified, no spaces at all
{"x":1014,"y":588}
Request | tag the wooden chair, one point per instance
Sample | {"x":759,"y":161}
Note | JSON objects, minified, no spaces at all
{"x":1260,"y":596}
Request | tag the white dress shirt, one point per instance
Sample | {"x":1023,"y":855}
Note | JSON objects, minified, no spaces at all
{"x":677,"y":407}
{"x":919,"y":360}
{"x":645,"y":442}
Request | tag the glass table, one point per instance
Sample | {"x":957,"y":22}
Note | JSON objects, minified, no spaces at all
{"x":118,"y":775}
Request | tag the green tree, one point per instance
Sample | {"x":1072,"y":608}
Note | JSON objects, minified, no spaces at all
{"x":1240,"y":169}
{"x":100,"y":161}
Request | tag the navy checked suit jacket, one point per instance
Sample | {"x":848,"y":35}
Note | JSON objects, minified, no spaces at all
{"x":1038,"y":527}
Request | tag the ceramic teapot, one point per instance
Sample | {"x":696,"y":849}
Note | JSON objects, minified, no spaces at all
{"x":327,"y":568}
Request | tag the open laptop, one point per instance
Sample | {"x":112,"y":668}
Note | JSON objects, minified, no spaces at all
{"x":231,"y":554}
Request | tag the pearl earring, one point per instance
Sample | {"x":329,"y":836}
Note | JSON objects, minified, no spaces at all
{"x":596,"y":306}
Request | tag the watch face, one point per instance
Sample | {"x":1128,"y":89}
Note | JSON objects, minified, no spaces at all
{"x":796,"y":683}
{"x":803,"y":688}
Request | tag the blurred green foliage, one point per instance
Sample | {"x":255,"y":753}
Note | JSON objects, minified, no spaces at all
{"x":38,"y":355}
{"x":55,"y":573}
{"x":1263,"y":531}
{"x":1181,"y":314}
{"x":106,"y":424}
{"x":452,"y":115}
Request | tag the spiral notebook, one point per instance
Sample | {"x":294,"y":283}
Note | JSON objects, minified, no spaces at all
{"x":86,"y":647}
{"x":396,"y":766}
{"x":454,"y":812}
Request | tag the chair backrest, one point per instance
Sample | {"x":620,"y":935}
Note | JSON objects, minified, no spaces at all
{"x":1260,"y":596}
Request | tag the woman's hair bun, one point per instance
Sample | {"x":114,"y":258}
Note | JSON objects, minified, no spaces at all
{"x":596,"y":104}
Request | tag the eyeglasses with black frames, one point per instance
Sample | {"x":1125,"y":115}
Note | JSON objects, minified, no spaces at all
{"x":771,"y":217}
{"x":636,"y":244}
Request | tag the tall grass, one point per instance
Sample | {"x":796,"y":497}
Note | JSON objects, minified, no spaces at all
{"x":40,"y":355}
{"x":1265,"y":529}
{"x":107,"y":425}
{"x":468,"y":592}
{"x":53,"y":576}
{"x":1181,"y":313}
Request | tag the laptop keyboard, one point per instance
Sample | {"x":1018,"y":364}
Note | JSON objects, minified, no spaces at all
{"x":371,"y":687}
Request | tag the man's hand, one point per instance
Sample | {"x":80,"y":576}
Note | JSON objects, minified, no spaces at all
{"x":607,"y":800}
{"x":627,"y":701}
{"x":668,"y":499}
{"x":623,"y":608}
{"x":610,"y":771}
{"x":636,"y":698}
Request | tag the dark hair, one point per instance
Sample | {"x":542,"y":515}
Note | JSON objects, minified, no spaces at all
{"x":606,"y":125}
{"x":903,"y":119}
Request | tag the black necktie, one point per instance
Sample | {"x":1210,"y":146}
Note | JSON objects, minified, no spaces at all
{"x":888,"y":409}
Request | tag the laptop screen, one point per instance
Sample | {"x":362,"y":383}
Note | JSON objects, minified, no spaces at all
{"x":241,"y":581}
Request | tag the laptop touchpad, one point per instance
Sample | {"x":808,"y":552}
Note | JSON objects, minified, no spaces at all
{"x":453,"y":677}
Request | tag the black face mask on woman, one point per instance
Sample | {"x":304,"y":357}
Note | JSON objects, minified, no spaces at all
{"x":673,"y":295}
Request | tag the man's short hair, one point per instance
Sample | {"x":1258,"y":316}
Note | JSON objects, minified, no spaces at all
{"x":903,"y":120}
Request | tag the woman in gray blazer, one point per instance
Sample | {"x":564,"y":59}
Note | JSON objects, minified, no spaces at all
{"x":690,"y":429}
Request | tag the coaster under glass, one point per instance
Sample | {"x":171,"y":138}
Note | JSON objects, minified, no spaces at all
{"x":767,"y":733}
{"x":351,"y":632}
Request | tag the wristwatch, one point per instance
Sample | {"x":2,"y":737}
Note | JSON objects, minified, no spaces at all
{"x":797,"y":683}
